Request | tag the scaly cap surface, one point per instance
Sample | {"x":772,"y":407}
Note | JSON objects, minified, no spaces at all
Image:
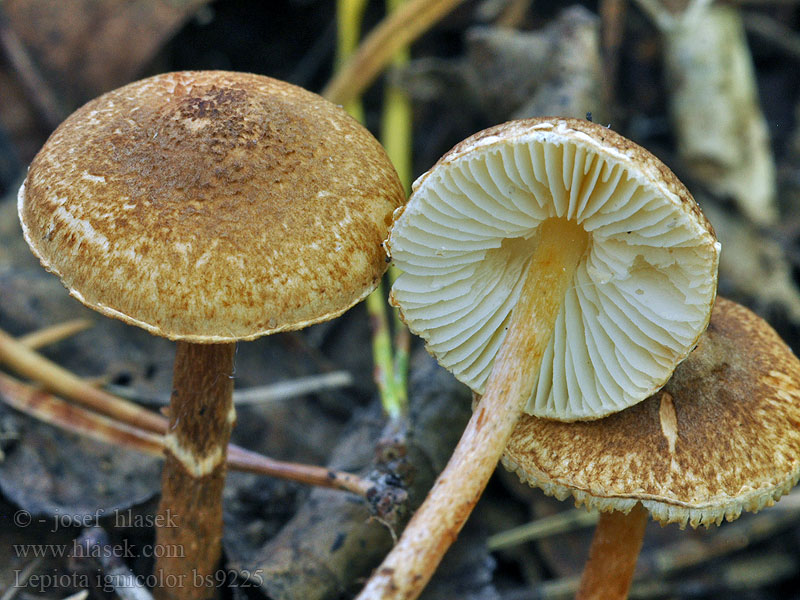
{"x":720,"y":438}
{"x":211,"y":206}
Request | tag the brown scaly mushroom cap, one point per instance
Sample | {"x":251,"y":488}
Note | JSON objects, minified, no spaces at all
{"x":211,"y":206}
{"x":721,"y":437}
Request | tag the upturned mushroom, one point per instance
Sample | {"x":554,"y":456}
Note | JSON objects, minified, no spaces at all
{"x":208,"y":208}
{"x":719,"y":438}
{"x":554,"y":267}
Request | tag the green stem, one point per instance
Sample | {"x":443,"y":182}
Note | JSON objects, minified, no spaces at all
{"x":382,"y":354}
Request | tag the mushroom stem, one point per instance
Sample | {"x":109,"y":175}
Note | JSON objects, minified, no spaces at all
{"x":612,"y":558}
{"x":411,"y":563}
{"x":189,"y":526}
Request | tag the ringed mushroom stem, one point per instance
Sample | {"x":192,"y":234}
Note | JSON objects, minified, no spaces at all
{"x":407,"y":568}
{"x":612,"y":557}
{"x":201,"y":418}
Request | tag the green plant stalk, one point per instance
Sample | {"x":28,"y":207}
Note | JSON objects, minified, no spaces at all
{"x":382,"y":354}
{"x":396,"y":31}
{"x":396,"y":128}
{"x":402,"y":351}
{"x":349,"y":15}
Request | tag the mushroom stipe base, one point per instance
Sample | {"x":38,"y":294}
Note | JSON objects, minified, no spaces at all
{"x":435,"y":525}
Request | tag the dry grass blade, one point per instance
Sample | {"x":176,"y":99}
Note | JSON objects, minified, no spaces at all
{"x":55,"y":411}
{"x":396,"y":31}
{"x":662,"y":563}
{"x":21,"y":579}
{"x":281,"y":390}
{"x":62,"y":382}
{"x":36,"y":86}
{"x":562,"y":522}
{"x":54,"y":333}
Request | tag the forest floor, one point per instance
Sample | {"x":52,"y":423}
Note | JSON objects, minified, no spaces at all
{"x":717,"y":99}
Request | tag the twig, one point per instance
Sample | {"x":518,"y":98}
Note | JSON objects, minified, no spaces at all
{"x":396,"y":31}
{"x":275,"y":392}
{"x":36,"y":367}
{"x":252,"y":462}
{"x":93,"y":550}
{"x":21,"y":579}
{"x":55,"y":411}
{"x":562,"y":522}
{"x":514,"y":13}
{"x":123,"y":413}
{"x":291,"y":389}
{"x":687,"y":553}
{"x":774,"y":32}
{"x":54,"y":333}
{"x":658,"y":14}
{"x":35,"y":85}
{"x":736,"y":536}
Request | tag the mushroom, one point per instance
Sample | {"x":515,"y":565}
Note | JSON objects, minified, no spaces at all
{"x":552,"y":266}
{"x":720,"y":438}
{"x":208,"y":208}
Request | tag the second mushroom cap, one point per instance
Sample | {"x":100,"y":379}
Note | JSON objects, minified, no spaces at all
{"x":640,"y":297}
{"x":720,"y":438}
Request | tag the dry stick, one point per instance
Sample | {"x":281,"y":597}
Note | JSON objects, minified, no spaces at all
{"x":54,"y":411}
{"x":21,"y":579}
{"x":613,"y":554}
{"x":124,"y":413}
{"x":36,"y":87}
{"x":293,"y":388}
{"x":514,"y":13}
{"x":396,"y":31}
{"x":612,"y":14}
{"x":774,"y":32}
{"x":411,"y":563}
{"x":275,"y":392}
{"x":561,"y":522}
{"x":62,"y":382}
{"x":252,"y":462}
{"x":54,"y":333}
{"x":200,"y":424}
